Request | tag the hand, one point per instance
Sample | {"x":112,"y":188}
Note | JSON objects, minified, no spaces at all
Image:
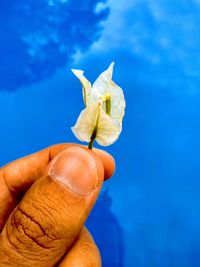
{"x":45,"y":199}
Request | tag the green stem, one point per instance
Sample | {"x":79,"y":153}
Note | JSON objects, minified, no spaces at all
{"x":94,"y":134}
{"x":91,"y":144}
{"x":92,"y":138}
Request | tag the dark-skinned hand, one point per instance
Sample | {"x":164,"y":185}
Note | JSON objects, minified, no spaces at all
{"x":45,"y":199}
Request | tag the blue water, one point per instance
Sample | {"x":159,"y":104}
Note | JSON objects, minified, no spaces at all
{"x":148,"y":214}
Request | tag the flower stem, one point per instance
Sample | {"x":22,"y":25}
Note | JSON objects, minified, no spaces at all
{"x":92,"y":138}
{"x":91,"y":144}
{"x":94,"y":134}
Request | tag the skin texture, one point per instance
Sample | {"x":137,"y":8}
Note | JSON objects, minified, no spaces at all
{"x":45,"y":199}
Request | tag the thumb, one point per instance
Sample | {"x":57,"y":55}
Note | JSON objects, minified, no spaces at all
{"x":52,"y":213}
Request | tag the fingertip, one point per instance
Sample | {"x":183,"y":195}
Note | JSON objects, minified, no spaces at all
{"x":107,"y":161}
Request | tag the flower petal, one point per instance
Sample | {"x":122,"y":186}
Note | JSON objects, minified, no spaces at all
{"x":104,"y":85}
{"x":107,"y":130}
{"x":118,"y":103}
{"x":85,"y":84}
{"x":101,"y":84}
{"x":86,"y":122}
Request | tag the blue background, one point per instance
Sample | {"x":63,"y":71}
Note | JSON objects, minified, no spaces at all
{"x":149,"y":213}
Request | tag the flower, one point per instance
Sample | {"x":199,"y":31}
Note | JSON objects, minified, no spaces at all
{"x":101,"y":120}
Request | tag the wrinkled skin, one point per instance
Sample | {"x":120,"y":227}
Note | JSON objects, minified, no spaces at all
{"x":45,"y":199}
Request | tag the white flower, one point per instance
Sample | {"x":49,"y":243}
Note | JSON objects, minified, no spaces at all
{"x":104,"y":109}
{"x":86,"y":85}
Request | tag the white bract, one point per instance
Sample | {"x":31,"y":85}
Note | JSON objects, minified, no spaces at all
{"x":104,"y":109}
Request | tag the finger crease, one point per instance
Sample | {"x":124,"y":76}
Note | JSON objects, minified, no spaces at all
{"x":32,"y":219}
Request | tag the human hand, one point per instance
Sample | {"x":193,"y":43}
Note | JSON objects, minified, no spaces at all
{"x":45,"y":199}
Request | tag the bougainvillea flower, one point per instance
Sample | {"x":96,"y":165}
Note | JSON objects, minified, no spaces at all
{"x":101,"y":120}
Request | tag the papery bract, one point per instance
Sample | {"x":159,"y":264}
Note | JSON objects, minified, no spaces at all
{"x":102,"y":117}
{"x":86,"y":85}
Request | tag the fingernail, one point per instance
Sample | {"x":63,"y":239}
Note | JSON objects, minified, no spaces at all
{"x":77,"y":170}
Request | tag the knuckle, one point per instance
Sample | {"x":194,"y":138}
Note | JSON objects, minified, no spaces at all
{"x":30,"y":228}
